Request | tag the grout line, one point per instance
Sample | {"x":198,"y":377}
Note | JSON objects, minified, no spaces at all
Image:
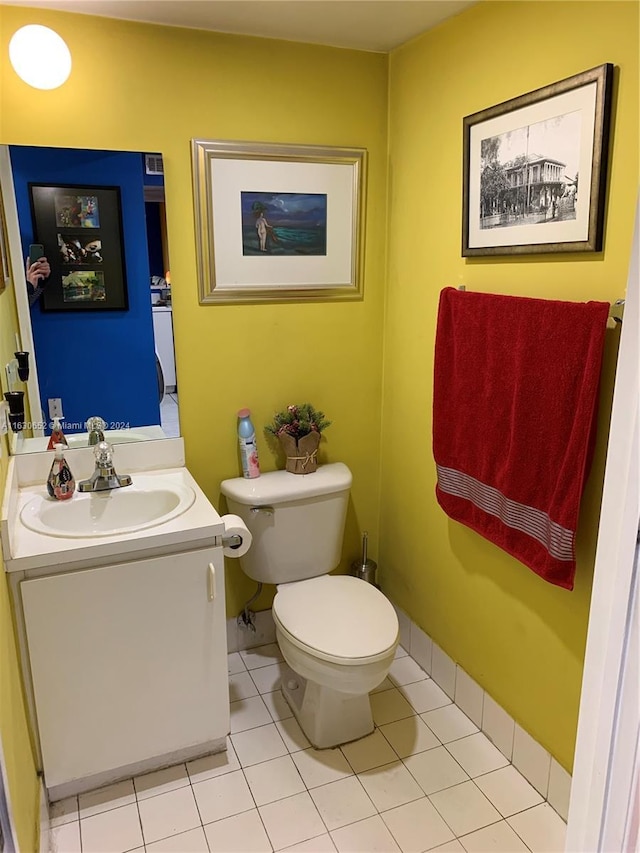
{"x":175,"y":834}
{"x":484,"y":694}
{"x":516,"y":831}
{"x":446,"y":787}
{"x":407,"y":683}
{"x":546,"y":790}
{"x":112,"y":807}
{"x":144,"y":840}
{"x":493,"y":823}
{"x":313,"y":802}
{"x":160,"y":793}
{"x":487,"y":797}
{"x":362,"y":820}
{"x":388,"y":828}
{"x":256,"y":806}
{"x":456,"y":739}
{"x":513,"y":741}
{"x":393,"y":749}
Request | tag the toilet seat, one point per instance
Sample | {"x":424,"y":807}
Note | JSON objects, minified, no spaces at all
{"x":337,"y":618}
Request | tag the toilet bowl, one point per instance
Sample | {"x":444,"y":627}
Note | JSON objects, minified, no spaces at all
{"x":339,"y":635}
{"x":337,"y":632}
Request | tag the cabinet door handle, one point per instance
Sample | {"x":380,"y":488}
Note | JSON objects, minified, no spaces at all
{"x":211,"y":582}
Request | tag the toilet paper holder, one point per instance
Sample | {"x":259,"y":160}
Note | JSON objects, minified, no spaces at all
{"x":236,"y":536}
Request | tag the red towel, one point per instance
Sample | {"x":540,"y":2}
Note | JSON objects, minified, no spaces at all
{"x":514,"y":412}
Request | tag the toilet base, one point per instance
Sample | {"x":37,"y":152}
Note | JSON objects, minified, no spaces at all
{"x":328,"y":717}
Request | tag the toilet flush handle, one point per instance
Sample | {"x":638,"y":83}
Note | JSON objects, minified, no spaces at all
{"x":266,"y":509}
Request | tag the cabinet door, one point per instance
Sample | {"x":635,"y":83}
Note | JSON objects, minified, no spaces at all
{"x":128,"y":661}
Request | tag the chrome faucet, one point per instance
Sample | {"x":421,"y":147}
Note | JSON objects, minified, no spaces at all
{"x":104,"y":477}
{"x":95,"y":427}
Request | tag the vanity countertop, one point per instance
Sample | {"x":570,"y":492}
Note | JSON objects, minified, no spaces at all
{"x":25,"y":549}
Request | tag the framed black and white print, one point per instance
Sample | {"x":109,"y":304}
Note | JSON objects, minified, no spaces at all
{"x":80,"y":228}
{"x":535,"y":170}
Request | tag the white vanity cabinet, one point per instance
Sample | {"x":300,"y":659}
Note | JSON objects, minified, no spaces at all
{"x":128,"y":664}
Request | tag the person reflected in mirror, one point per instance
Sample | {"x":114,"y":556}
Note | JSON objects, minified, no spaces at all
{"x":36,"y":274}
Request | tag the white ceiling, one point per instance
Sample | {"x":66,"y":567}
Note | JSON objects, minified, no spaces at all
{"x":376,"y":25}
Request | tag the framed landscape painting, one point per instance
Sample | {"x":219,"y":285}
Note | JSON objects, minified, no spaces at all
{"x":80,"y":228}
{"x":535,"y":169}
{"x":278,"y":223}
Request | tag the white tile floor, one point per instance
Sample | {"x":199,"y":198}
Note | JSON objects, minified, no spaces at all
{"x":426,"y":779}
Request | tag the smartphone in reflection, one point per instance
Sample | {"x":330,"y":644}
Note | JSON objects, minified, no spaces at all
{"x":36,"y":251}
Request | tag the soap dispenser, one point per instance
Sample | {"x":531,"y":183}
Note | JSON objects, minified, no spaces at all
{"x":60,"y":482}
{"x":57,"y":436}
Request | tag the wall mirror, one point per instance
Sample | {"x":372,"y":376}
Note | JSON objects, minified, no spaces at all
{"x":87,"y":357}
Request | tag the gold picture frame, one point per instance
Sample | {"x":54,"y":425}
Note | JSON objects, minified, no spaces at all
{"x":535,"y":169}
{"x":278,"y":223}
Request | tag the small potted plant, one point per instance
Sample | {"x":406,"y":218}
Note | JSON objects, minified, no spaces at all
{"x":298,"y":430}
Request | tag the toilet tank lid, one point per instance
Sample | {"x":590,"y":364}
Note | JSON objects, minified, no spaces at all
{"x":282,"y":486}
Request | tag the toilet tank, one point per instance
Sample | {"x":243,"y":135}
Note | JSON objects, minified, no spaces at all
{"x":296,"y":520}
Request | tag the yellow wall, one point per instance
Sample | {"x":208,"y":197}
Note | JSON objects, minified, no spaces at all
{"x":150,"y":88}
{"x":14,"y":733}
{"x":137,"y":87}
{"x":522,"y":639}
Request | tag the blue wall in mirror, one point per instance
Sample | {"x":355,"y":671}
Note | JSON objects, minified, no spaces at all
{"x":98,"y":362}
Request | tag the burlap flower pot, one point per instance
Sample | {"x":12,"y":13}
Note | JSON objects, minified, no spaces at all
{"x":302,"y":455}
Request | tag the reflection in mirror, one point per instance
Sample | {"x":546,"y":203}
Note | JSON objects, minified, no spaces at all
{"x":89,"y":359}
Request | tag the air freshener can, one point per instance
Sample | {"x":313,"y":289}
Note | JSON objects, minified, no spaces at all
{"x":248,"y":445}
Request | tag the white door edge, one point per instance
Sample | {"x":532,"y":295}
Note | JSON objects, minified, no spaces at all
{"x":598,"y":783}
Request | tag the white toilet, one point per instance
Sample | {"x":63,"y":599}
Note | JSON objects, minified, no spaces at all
{"x":338,"y":633}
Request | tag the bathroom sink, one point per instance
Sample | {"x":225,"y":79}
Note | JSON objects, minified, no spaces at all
{"x":149,"y":501}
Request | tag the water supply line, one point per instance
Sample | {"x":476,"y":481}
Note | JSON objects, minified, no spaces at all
{"x":247,"y":618}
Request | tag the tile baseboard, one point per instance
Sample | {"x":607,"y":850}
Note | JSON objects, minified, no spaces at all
{"x":533,"y":761}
